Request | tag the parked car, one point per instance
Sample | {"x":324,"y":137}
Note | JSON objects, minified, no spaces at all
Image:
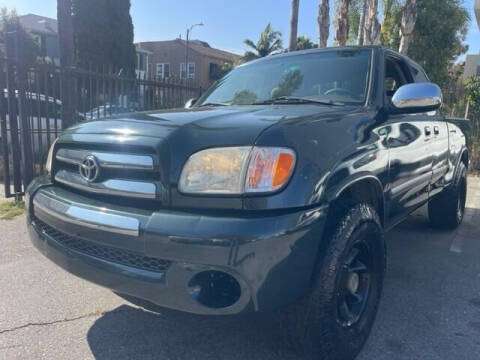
{"x":44,"y":115}
{"x":106,"y":110}
{"x":271,"y":194}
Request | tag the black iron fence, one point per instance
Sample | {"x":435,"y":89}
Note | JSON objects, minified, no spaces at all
{"x":37,"y":102}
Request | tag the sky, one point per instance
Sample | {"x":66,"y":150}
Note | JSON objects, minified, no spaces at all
{"x":226,"y":23}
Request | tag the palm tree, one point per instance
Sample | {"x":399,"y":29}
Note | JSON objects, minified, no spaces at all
{"x":372,"y":26}
{"x":407,"y":25}
{"x":361,"y":24}
{"x":323,"y":22}
{"x":304,"y":43}
{"x":294,"y":25}
{"x":342,"y":22}
{"x":270,"y":41}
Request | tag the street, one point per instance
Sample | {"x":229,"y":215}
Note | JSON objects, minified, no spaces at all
{"x":430,"y":307}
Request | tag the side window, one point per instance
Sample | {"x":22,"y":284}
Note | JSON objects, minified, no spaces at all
{"x":418,"y":74}
{"x":396,"y":75}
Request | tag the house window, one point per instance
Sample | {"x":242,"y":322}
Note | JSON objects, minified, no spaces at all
{"x":163,"y":70}
{"x":141,"y":61}
{"x":215,"y":71}
{"x":191,"y":70}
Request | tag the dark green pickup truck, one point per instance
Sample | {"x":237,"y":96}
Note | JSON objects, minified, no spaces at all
{"x":271,"y":193}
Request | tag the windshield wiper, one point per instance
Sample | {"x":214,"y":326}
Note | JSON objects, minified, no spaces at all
{"x":298,"y":100}
{"x":213,"y":104}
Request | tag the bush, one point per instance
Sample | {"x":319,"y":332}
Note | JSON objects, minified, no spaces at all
{"x":472,"y":90}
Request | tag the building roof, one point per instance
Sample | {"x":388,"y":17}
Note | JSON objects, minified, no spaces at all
{"x":140,"y":49}
{"x":39,"y":23}
{"x":477,"y":11}
{"x":198,"y":46}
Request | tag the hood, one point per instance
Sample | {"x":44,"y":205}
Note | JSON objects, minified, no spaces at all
{"x":227,"y":125}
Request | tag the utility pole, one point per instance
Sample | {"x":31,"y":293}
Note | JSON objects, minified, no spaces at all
{"x":189,"y":30}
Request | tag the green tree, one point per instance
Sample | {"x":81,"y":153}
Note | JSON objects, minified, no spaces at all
{"x":473,"y":93}
{"x":439,"y":35}
{"x":472,"y":89}
{"x":454,"y":98}
{"x":304,"y":43}
{"x":65,"y":34}
{"x":270,"y":41}
{"x":9,"y":22}
{"x":103,"y":35}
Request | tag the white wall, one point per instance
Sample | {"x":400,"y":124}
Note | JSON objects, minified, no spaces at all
{"x":472,"y":63}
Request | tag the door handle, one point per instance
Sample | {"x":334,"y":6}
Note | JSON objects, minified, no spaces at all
{"x":436,"y":130}
{"x":428,"y":131}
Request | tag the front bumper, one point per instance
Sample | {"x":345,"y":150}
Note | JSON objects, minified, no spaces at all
{"x":270,"y":256}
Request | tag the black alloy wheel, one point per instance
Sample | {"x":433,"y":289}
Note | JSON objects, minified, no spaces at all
{"x":354,"y":285}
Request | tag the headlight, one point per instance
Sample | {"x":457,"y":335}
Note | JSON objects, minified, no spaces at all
{"x":237,"y":170}
{"x":48,"y":165}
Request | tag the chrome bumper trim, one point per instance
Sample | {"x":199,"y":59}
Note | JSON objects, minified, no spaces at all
{"x":107,"y":160}
{"x":81,"y":216}
{"x":116,"y":187}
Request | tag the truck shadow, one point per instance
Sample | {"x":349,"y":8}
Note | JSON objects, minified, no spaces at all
{"x":421,"y":275}
{"x":129,"y":332}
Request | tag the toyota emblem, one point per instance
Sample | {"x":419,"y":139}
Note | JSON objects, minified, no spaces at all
{"x":89,"y":168}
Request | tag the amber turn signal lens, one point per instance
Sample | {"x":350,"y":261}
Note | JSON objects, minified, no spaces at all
{"x":269,"y":169}
{"x":284,"y":169}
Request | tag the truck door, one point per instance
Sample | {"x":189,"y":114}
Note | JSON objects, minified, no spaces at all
{"x":439,"y":144}
{"x":409,"y":140}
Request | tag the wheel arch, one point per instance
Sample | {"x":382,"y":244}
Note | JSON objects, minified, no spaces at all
{"x":464,"y":157}
{"x":362,"y":188}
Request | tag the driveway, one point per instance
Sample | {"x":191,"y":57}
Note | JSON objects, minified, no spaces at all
{"x":430,"y":308}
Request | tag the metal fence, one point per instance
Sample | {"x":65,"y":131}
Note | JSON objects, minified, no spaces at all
{"x":37,"y":102}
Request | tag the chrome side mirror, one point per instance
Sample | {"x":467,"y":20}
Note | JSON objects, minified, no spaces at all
{"x":418,"y":97}
{"x":190,"y":103}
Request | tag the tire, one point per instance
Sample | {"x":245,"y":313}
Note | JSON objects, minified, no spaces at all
{"x":446,"y":210}
{"x":319,"y":326}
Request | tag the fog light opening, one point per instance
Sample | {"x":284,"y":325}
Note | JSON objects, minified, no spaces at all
{"x":214,"y":289}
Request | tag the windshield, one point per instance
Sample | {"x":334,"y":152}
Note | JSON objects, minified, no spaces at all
{"x":340,"y":76}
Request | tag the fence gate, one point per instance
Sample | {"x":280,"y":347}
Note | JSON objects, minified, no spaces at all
{"x":16,"y":145}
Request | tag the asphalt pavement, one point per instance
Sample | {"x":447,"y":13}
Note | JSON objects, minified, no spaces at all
{"x":430,"y":308}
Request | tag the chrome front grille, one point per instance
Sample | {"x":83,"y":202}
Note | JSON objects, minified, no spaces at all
{"x":116,"y":174}
{"x":119,"y":256}
{"x":107,"y":160}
